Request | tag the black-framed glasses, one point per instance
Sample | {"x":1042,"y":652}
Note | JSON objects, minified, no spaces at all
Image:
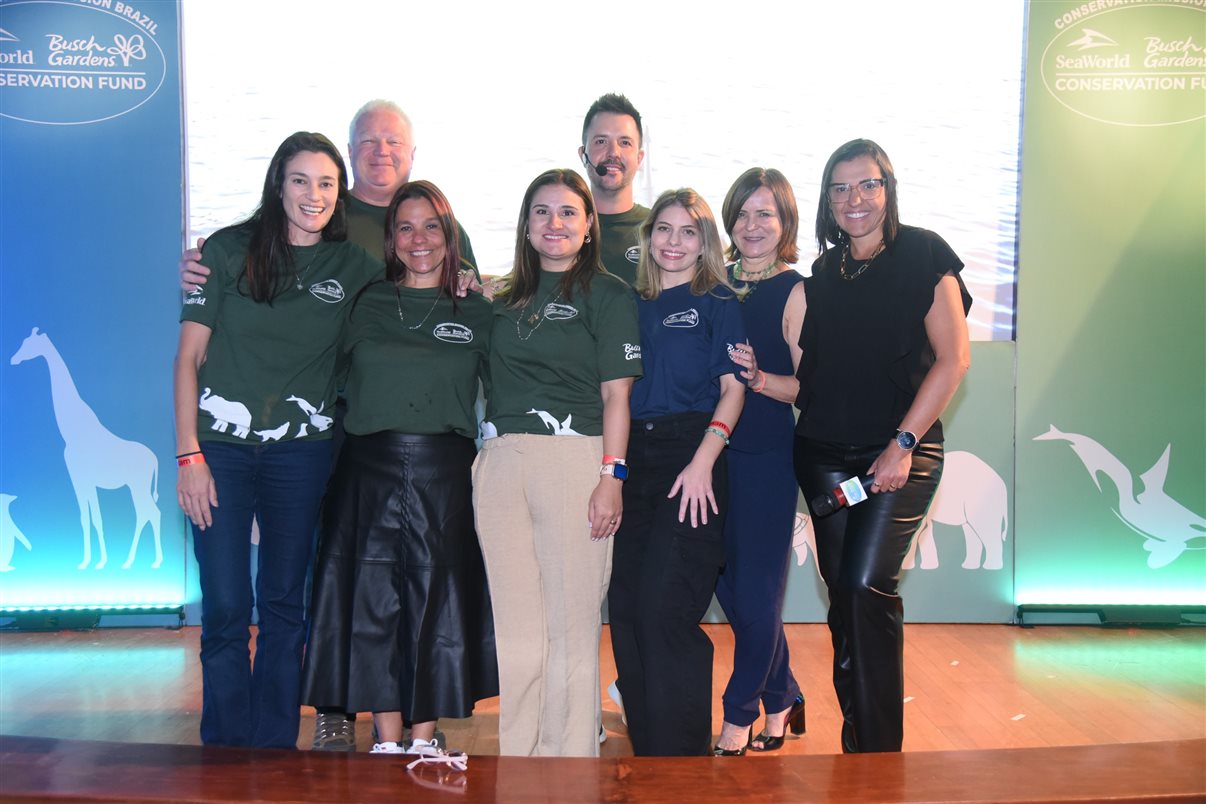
{"x":867,"y":188}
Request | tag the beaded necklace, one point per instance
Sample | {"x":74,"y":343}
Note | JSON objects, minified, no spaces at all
{"x":750,"y":284}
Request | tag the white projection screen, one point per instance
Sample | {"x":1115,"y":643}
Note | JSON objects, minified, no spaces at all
{"x":497,"y":92}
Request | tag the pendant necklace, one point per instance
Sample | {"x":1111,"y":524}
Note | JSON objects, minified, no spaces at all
{"x":298,"y":276}
{"x":846,"y":252}
{"x":536,"y":319}
{"x":402,"y":318}
{"x":751,"y":284}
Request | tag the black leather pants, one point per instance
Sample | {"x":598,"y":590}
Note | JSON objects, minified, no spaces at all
{"x":859,"y":552}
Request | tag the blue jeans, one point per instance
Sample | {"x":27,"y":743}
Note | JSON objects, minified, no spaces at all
{"x":282,"y":485}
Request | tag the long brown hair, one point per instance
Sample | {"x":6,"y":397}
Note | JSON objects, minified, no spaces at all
{"x":269,"y":265}
{"x":525,"y":276}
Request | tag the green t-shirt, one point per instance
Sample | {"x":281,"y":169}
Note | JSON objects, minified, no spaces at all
{"x":414,"y":364}
{"x":269,"y":371}
{"x":366,"y":228}
{"x":548,"y":358}
{"x":620,"y":240}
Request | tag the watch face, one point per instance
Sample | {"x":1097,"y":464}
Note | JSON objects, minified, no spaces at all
{"x":906,"y":440}
{"x":620,"y":471}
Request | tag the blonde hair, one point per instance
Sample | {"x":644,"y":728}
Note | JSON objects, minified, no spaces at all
{"x":709,"y":271}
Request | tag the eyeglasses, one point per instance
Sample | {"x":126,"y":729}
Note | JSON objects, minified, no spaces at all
{"x":867,"y":188}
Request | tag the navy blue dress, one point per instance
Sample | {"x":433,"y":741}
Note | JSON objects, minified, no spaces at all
{"x":758,"y":528}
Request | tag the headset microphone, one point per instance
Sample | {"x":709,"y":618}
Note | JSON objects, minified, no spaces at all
{"x":602,"y":171}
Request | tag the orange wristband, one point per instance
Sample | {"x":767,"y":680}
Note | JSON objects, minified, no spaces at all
{"x":758,"y":389}
{"x":189,"y":460}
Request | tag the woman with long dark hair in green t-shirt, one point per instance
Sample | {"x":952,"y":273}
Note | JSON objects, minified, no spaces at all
{"x":564,"y":351}
{"x":254,"y":384}
{"x":402,"y":625}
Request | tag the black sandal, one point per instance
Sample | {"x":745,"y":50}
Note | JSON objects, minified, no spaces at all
{"x":794,"y":720}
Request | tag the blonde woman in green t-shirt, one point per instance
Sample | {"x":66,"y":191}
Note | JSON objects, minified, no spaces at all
{"x":564,"y":352}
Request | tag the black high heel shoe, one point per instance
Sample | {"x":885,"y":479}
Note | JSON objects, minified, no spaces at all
{"x":734,"y":752}
{"x":794,"y":721}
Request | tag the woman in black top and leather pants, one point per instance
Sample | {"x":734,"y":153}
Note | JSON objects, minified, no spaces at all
{"x":884,"y":347}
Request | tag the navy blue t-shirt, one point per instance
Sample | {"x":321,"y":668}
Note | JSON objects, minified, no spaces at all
{"x":685,"y":344}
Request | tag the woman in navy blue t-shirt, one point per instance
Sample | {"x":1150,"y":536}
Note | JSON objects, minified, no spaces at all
{"x":670,"y":545}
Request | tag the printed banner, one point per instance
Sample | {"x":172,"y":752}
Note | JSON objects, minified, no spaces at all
{"x":1111,"y":439}
{"x":90,"y":229}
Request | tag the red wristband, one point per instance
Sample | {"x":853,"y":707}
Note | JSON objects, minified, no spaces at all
{"x":612,"y":459}
{"x":719,"y":425}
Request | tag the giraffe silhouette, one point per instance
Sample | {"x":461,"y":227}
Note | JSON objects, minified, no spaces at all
{"x":96,"y":458}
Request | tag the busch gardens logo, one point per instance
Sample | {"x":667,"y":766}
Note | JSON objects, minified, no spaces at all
{"x":1130,"y":62}
{"x":71,"y":62}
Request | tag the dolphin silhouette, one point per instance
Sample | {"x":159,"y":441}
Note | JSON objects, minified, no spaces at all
{"x":1092,"y":39}
{"x":1167,"y":526}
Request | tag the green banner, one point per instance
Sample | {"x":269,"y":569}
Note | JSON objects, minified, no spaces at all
{"x":1111,"y":375}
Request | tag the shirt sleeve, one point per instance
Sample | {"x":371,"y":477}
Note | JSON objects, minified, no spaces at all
{"x":204,"y":304}
{"x":728,"y":330}
{"x":617,"y":332}
{"x":944,"y":260}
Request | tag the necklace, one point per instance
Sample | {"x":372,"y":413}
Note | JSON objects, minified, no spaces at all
{"x":301,"y":285}
{"x":750,"y":284}
{"x":398,"y":294}
{"x":846,"y":251}
{"x":536,"y":319}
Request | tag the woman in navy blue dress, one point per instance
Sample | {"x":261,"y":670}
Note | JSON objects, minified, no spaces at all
{"x":761,"y":219}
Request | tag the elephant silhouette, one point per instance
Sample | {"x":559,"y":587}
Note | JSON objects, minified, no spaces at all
{"x":226,"y":413}
{"x":973,"y":496}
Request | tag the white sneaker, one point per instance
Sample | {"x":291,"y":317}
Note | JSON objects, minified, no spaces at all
{"x":428,"y":751}
{"x":388,"y":748}
{"x":613,"y":692}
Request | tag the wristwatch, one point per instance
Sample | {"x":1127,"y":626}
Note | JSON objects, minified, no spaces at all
{"x":618,"y":470}
{"x":906,"y":440}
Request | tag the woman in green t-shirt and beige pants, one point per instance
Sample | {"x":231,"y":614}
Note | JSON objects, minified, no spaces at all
{"x":564,"y":351}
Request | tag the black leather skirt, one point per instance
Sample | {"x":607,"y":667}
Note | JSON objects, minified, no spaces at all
{"x":400,"y":612}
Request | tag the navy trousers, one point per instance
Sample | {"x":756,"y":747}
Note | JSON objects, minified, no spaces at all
{"x":758,"y":532}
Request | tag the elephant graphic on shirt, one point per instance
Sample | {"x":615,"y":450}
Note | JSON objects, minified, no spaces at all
{"x":226,"y":413}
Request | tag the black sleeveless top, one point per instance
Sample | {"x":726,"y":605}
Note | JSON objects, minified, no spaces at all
{"x":865,"y":349}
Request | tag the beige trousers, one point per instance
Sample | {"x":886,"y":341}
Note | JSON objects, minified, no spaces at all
{"x":548,"y":581}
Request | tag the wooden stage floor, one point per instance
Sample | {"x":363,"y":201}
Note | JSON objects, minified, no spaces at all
{"x":992,"y":713}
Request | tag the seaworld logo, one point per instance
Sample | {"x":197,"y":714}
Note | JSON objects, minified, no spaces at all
{"x":450,"y":332}
{"x":67,"y":65}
